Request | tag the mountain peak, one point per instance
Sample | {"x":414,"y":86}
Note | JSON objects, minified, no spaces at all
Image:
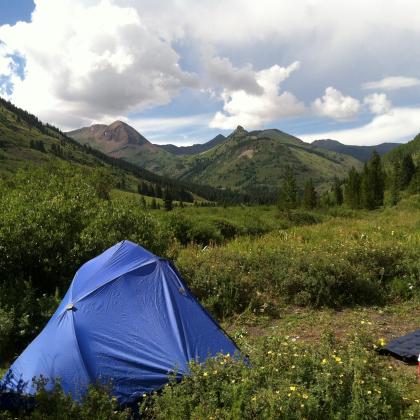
{"x":109,"y":138}
{"x":117,"y":124}
{"x":239,"y":131}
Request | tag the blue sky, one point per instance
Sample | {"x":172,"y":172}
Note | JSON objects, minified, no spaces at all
{"x":313,"y":68}
{"x":12,"y":11}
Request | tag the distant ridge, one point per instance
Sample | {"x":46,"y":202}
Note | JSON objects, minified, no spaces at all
{"x":362,"y":153}
{"x":195,"y":148}
{"x":251,"y":162}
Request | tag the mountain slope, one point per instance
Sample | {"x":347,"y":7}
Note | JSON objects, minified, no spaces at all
{"x":362,"y":153}
{"x":109,"y":138}
{"x":120,"y":140}
{"x":246,"y":162}
{"x":25,"y":140}
{"x":195,"y":148}
{"x":410,"y":148}
{"x":257,"y":161}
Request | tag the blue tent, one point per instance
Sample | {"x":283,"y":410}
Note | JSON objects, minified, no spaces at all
{"x":406,"y":348}
{"x":127,"y":320}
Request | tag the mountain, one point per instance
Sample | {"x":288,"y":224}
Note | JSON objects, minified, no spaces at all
{"x":108,"y":138}
{"x":410,"y":148}
{"x":195,"y":148}
{"x":120,"y":140}
{"x":25,"y":140}
{"x":252,"y":162}
{"x":256,"y":160}
{"x":362,"y":153}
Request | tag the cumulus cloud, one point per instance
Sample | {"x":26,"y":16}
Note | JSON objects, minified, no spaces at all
{"x":222,"y":72}
{"x":399,"y":125}
{"x":91,"y":60}
{"x":254,"y":110}
{"x":336,"y":105}
{"x":392,"y":83}
{"x":378,"y":103}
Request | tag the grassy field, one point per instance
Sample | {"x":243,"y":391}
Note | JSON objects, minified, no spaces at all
{"x":308,"y":297}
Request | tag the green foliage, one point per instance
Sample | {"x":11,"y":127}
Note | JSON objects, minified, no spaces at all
{"x":167,"y":199}
{"x":288,"y":191}
{"x":52,"y":221}
{"x":286,"y":379}
{"x":336,"y":263}
{"x":366,"y":190}
{"x":337,"y":192}
{"x":352,"y":189}
{"x":408,"y":170}
{"x":55,"y":404}
{"x":310,"y":197}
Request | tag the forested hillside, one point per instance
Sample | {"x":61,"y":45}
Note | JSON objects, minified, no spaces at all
{"x":251,"y":163}
{"x":25,"y":140}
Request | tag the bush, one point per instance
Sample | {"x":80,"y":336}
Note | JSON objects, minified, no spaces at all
{"x":96,"y":404}
{"x":287,"y":380}
{"x":322,"y":265}
{"x":52,"y":221}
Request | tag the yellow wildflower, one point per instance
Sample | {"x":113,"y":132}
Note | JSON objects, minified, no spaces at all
{"x":292,"y":388}
{"x":305,"y":396}
{"x":324,"y":361}
{"x":205,"y":374}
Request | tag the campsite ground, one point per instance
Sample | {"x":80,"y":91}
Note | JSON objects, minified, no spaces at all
{"x":327,"y":286}
{"x":381,"y":323}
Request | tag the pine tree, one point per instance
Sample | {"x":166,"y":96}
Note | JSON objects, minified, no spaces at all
{"x":395,"y":186}
{"x":352,"y":189}
{"x":309,"y":195}
{"x":154,"y":205}
{"x":367,"y":200}
{"x":288,"y":191}
{"x":408,"y":170}
{"x":337,"y":192}
{"x":167,"y":198}
{"x":377,"y":179}
{"x":373,"y":183}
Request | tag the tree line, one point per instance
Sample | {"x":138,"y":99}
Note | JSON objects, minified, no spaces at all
{"x":363,"y":189}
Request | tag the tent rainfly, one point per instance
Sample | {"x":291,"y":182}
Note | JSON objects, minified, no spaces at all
{"x":406,"y":348}
{"x":127,"y":320}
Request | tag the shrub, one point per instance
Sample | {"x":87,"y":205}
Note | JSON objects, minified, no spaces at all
{"x":322,"y":265}
{"x":288,"y":380}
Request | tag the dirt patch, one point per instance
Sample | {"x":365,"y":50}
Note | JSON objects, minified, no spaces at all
{"x":249,"y":153}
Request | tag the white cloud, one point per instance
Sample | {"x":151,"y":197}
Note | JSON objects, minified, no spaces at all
{"x":255,"y":110}
{"x":102,"y":59}
{"x":392,"y":83}
{"x":153,"y":126}
{"x":335,"y":105}
{"x":222,"y":72}
{"x":378,"y":103}
{"x":90,"y":60}
{"x":398,"y":125}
